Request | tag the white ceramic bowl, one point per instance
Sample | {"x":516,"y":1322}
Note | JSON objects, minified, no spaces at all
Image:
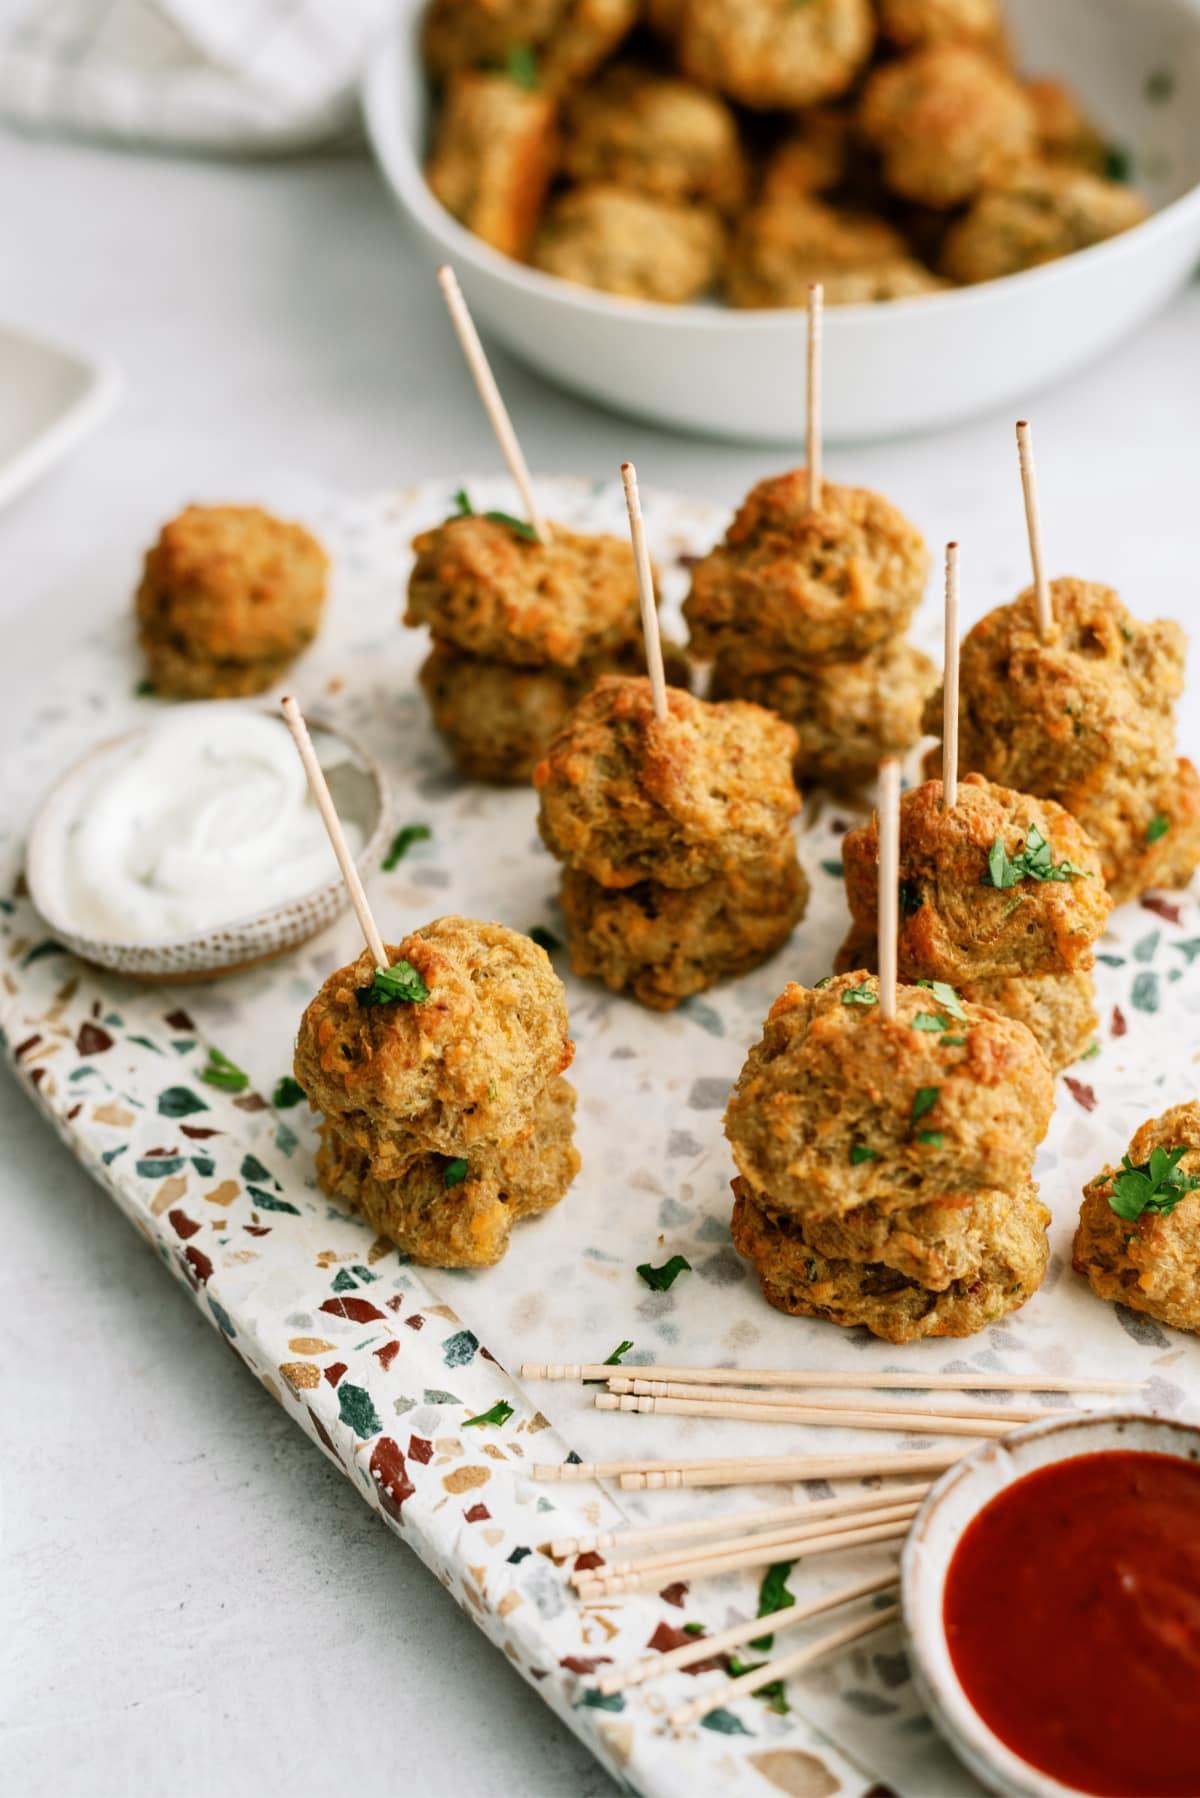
{"x":936,"y":1532}
{"x":905,"y":366}
{"x":361,"y":796}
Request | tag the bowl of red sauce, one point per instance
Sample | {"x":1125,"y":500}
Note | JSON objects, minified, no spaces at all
{"x":1051,"y":1592}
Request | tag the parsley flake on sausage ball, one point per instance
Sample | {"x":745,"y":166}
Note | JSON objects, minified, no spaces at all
{"x":1000,"y":884}
{"x":626,"y":796}
{"x":496,"y":591}
{"x":946,"y":121}
{"x":819,"y":586}
{"x":454,"y":1063}
{"x":1138,"y":1240}
{"x":838,"y":1106}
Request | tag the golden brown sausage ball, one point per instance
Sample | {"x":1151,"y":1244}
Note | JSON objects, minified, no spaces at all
{"x":660,"y":135}
{"x":449,"y":1074}
{"x":499,"y":720}
{"x":783,"y":245}
{"x":847,"y":715}
{"x":813,"y":159}
{"x":914,"y":23}
{"x":628,"y":243}
{"x":1059,"y":1009}
{"x":1065,"y":132}
{"x":970,"y":910}
{"x":837,"y":1107}
{"x":663,"y":944}
{"x":773,"y":53}
{"x":551,"y":45}
{"x":934,"y":1245}
{"x":945,"y":121}
{"x":442,"y":1216}
{"x":1151,"y":1262}
{"x":1036,"y":215}
{"x":485,"y":588}
{"x":1147,"y":833}
{"x":493,"y":155}
{"x":229,"y":597}
{"x":822,"y":586}
{"x":795,"y":1278}
{"x":626,"y":796}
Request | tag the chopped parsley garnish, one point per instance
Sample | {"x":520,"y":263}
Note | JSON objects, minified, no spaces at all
{"x":399,"y":984}
{"x":929,"y":1020}
{"x":859,"y":1153}
{"x":773,"y":1595}
{"x":545,"y":939}
{"x":520,"y":65}
{"x":1158,"y":827}
{"x":946,"y":997}
{"x":1034,"y":862}
{"x":464,"y":509}
{"x":288,"y":1092}
{"x":144,"y":689}
{"x":613,"y":1360}
{"x":860,"y":995}
{"x":1156,"y":1185}
{"x":693,"y":1629}
{"x":455,"y":1172}
{"x":1118,"y":163}
{"x":223,"y":1073}
{"x":661,"y":1279}
{"x":403,"y":841}
{"x":772,"y":1694}
{"x":500,"y":1413}
{"x":911,"y":898}
{"x":933,"y":1139}
{"x":924,"y":1100}
{"x":953,"y":1042}
{"x":824,"y":981}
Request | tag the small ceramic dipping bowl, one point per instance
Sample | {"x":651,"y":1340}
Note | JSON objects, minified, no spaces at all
{"x":361,"y":796}
{"x":937,"y":1530}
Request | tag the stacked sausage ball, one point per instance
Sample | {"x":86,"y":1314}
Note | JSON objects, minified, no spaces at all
{"x":754,"y":146}
{"x":446,"y":1114}
{"x":522,"y":629}
{"x":884,"y":1166}
{"x":1001,"y":897}
{"x":1086,"y":717}
{"x":679,"y":862}
{"x":804,"y":610}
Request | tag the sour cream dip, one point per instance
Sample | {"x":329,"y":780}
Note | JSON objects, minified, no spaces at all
{"x":199,"y":820}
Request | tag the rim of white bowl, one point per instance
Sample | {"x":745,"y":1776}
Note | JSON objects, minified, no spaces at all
{"x":389,"y":138}
{"x":82,"y":943}
{"x":922,"y":1586}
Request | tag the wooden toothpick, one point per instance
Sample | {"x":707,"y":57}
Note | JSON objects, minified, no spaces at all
{"x":645,"y":580}
{"x":489,"y":393}
{"x":950,"y":683}
{"x":1033,"y":524}
{"x":812,"y":397}
{"x":889,"y":882}
{"x":319,"y":788}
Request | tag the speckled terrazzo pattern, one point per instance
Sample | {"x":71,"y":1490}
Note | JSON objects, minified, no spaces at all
{"x":383,"y":1364}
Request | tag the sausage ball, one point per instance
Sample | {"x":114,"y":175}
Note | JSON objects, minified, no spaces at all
{"x":485,"y":588}
{"x":813,"y":159}
{"x":1065,"y":132}
{"x":629,"y":243}
{"x":1147,"y":833}
{"x":837,"y":1107}
{"x":450,"y":1074}
{"x":626,"y":796}
{"x":847,"y":715}
{"x":1151,"y":1262}
{"x":946,"y":120}
{"x":934,"y":1245}
{"x":444,"y":1215}
{"x":229,"y":597}
{"x":1093,"y":702}
{"x":662,"y":944}
{"x":772,"y":53}
{"x":550,"y":44}
{"x":911,"y":24}
{"x":499,"y":720}
{"x":783,"y":245}
{"x":1059,"y":1009}
{"x":821,"y":586}
{"x":972,"y":906}
{"x":662,"y":136}
{"x":493,"y":155}
{"x":1036,"y":215}
{"x":796,"y":1278}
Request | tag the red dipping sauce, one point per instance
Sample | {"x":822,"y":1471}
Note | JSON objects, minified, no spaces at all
{"x":1072,"y":1614}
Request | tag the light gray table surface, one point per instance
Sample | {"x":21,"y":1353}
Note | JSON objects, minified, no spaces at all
{"x":273,"y":319}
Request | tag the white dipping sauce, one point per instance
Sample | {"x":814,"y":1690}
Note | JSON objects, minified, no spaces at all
{"x":204,"y":819}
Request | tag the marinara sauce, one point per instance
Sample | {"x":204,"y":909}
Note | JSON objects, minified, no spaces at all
{"x":1072,"y":1613}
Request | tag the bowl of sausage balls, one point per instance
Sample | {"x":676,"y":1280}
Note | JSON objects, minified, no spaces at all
{"x":638,"y":194}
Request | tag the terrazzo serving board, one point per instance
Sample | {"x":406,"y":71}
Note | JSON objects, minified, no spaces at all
{"x":385,"y":1365}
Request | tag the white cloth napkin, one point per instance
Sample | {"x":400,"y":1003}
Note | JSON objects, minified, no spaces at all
{"x":209,"y":75}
